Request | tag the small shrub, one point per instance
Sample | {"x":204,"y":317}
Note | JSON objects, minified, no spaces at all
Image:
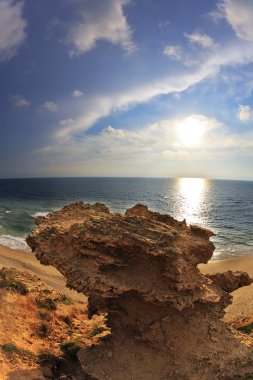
{"x":67,"y":319}
{"x":70,"y":349}
{"x":10,"y":348}
{"x":8,"y":281}
{"x":46,"y":303}
{"x":45,"y":316}
{"x":65,"y":299}
{"x":95,"y":330}
{"x":43,"y":330}
{"x":247,"y":329}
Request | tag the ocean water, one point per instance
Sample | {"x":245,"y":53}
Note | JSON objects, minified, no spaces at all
{"x":225,"y":207}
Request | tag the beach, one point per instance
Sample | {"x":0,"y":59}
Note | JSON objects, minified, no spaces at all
{"x":241,"y":308}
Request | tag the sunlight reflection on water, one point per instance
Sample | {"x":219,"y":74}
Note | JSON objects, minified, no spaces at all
{"x":192,"y":199}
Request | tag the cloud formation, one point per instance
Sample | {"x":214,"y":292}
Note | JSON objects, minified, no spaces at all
{"x":49,"y":106}
{"x":19,"y":101}
{"x":76,"y":93}
{"x":101,"y":106}
{"x":173,"y":51}
{"x":114,"y":132}
{"x":239,"y":14}
{"x":100,"y":20}
{"x":155,"y":143}
{"x":155,"y":147}
{"x":244,"y":113}
{"x":201,"y":39}
{"x":12,"y":28}
{"x":162,"y":135}
{"x":98,"y":107}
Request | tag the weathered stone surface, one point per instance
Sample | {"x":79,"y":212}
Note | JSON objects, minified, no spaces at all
{"x":230,"y":281}
{"x":141,"y":269}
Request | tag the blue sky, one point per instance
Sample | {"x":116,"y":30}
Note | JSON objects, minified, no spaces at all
{"x":126,"y":88}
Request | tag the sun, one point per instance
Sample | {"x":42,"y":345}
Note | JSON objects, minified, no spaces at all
{"x":191,"y":131}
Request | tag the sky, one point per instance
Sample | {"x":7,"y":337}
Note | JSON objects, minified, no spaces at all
{"x":151,"y":88}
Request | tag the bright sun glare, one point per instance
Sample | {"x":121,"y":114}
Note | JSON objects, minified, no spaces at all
{"x":192,"y":192}
{"x":191,"y":131}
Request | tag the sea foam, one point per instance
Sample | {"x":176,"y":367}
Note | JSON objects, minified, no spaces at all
{"x":14,"y":242}
{"x":40,"y":213}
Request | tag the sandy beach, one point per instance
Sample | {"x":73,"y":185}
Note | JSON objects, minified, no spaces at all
{"x":26,"y":260}
{"x":242,"y":307}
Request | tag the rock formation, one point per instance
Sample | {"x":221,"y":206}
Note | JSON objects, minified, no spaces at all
{"x":141,"y":270}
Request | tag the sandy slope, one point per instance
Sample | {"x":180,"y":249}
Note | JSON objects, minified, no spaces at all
{"x":34,"y":329}
{"x":26,"y":260}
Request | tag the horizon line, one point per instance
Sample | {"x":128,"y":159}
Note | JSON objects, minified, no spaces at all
{"x":125,"y":177}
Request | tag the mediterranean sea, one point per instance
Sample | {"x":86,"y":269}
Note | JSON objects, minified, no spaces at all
{"x":225,"y":207}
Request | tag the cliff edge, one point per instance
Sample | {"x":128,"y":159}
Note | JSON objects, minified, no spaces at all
{"x":140,"y":269}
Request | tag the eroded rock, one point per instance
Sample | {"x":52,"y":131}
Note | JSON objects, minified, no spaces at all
{"x":141,"y":269}
{"x":230,"y":281}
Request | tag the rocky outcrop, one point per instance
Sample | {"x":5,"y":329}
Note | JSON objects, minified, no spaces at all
{"x":230,"y":281}
{"x":141,"y":270}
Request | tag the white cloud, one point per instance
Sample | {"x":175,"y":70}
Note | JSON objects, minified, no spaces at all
{"x":201,"y":39}
{"x":98,"y":107}
{"x":19,"y":101}
{"x":76,"y":93}
{"x":114,"y":132}
{"x":157,"y":148}
{"x":239,"y":14}
{"x":244,"y":113}
{"x":173,"y":51}
{"x":235,"y":53}
{"x":163,"y":139}
{"x":100,"y":20}
{"x":216,"y":14}
{"x":158,"y":140}
{"x":12,"y":28}
{"x":49,"y":106}
{"x":66,"y":122}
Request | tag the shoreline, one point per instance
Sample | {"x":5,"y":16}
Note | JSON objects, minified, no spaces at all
{"x":241,"y":308}
{"x":236,"y":263}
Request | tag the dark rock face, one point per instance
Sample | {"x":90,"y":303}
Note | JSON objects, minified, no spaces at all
{"x":141,"y":269}
{"x":230,"y":281}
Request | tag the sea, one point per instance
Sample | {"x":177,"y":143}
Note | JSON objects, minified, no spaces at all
{"x":225,"y":207}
